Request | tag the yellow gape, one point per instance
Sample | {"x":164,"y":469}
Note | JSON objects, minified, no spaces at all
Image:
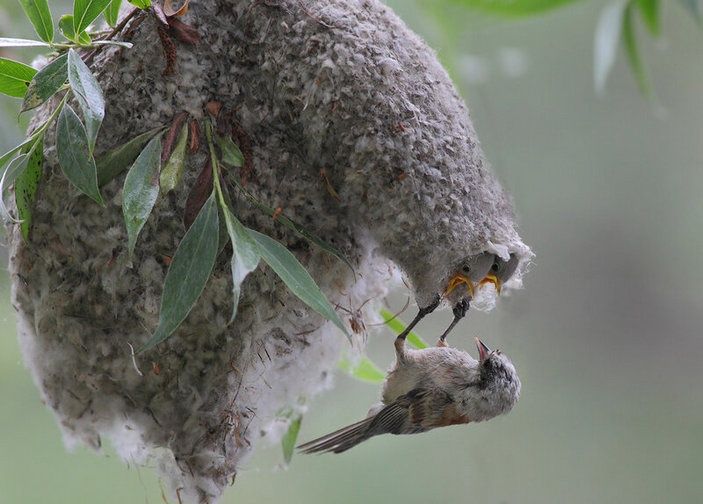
{"x":491,"y":278}
{"x":457,"y":280}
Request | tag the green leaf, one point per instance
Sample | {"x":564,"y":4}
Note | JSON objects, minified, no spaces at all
{"x":397,"y":326}
{"x":142,"y":4}
{"x":245,"y":255}
{"x":14,"y":168}
{"x":606,"y":42}
{"x":27,"y":184}
{"x":40,"y":16}
{"x":189,"y":272}
{"x":650,"y":13}
{"x":115,"y":161}
{"x":172,"y":171}
{"x":16,"y":42}
{"x":633,"y":56}
{"x":46,"y":83}
{"x":112,"y":13}
{"x":364,"y":370}
{"x":296,"y":277}
{"x":513,"y":8}
{"x":15,"y":77}
{"x":291,"y":224}
{"x":74,"y":155}
{"x":290,"y":438}
{"x":89,"y":95}
{"x":141,"y":190}
{"x":118,"y":43}
{"x":85,"y":12}
{"x":231,"y":155}
{"x":66,"y":28}
{"x":5,"y":158}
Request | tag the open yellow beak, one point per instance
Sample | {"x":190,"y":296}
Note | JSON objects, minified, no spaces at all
{"x":457,"y":280}
{"x":494,"y":280}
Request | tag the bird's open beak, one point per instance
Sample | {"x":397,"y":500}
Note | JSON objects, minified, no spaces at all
{"x":457,"y":280}
{"x":494,"y":280}
{"x":483,"y":350}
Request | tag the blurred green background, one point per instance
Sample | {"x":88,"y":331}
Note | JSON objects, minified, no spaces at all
{"x":607,"y":336}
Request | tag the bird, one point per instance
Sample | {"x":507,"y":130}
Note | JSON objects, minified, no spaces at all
{"x":430,"y":388}
{"x":469,"y":273}
{"x":497,"y":274}
{"x":501,"y":271}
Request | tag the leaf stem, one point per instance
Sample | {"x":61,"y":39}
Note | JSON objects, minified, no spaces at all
{"x":215,"y":165}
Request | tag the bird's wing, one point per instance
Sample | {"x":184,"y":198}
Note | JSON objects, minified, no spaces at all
{"x":417,"y":411}
{"x":402,"y":416}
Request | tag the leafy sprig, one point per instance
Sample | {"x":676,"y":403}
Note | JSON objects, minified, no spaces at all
{"x":194,"y":260}
{"x":153,"y":168}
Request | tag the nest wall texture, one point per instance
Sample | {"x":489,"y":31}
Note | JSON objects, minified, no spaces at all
{"x":337,"y":86}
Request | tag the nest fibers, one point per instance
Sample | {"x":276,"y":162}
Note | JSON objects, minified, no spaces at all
{"x":334,"y":87}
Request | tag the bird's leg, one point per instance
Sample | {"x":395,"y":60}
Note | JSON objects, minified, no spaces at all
{"x":420,"y":315}
{"x":459,"y":311}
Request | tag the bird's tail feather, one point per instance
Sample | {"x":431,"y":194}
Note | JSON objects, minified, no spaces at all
{"x":339,"y":440}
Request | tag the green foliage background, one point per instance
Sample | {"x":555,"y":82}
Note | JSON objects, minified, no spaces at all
{"x":607,"y":336}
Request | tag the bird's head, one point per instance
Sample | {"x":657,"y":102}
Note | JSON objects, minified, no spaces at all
{"x":501,"y":271}
{"x":499,"y":379}
{"x":466,"y":277}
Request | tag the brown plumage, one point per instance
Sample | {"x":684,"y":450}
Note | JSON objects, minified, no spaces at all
{"x":430,"y":388}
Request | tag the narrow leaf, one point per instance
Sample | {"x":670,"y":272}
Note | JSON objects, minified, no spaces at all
{"x":46,"y":83}
{"x":189,"y":272}
{"x":74,"y":155}
{"x":14,"y":168}
{"x":141,"y":190}
{"x":606,"y":42}
{"x":112,"y":13}
{"x":172,"y":135}
{"x":199,"y":193}
{"x":5,"y":158}
{"x":365,"y":370}
{"x":513,"y":8}
{"x":291,"y":224}
{"x":40,"y":16}
{"x":290,"y":438}
{"x":245,"y":255}
{"x":85,"y":12}
{"x":89,"y":95}
{"x":650,"y":13}
{"x":120,"y":158}
{"x":231,"y":155}
{"x":172,"y":171}
{"x":16,"y":42}
{"x":15,"y":77}
{"x":296,"y":277}
{"x":397,"y":326}
{"x":66,"y":28}
{"x":142,"y":4}
{"x":27,"y":184}
{"x":632,"y":52}
{"x":118,"y":43}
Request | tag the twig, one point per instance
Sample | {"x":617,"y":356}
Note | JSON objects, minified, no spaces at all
{"x":117,"y":29}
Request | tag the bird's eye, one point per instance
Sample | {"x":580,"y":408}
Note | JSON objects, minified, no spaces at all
{"x":494,"y":267}
{"x":466,"y":269}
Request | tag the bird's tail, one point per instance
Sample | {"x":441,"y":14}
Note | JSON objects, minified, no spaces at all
{"x":340,"y":440}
